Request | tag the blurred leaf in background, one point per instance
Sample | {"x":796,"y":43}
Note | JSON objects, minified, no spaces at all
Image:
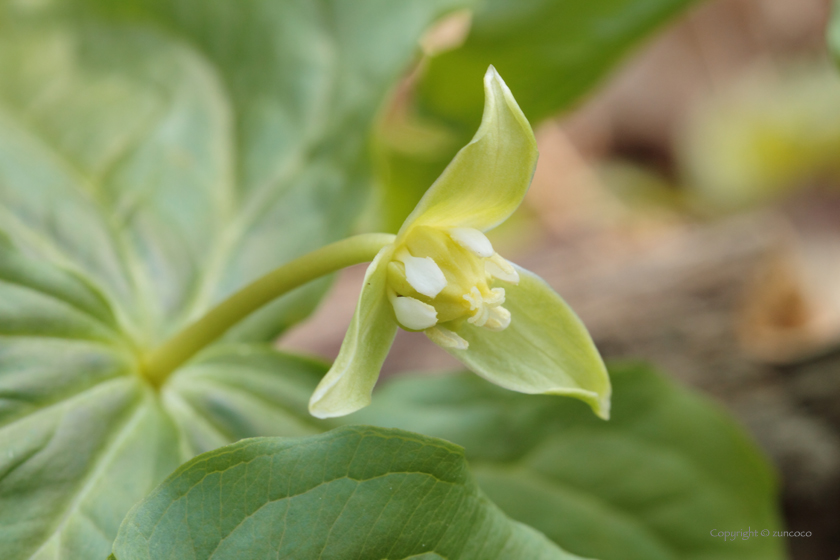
{"x":550,"y":53}
{"x":651,"y":484}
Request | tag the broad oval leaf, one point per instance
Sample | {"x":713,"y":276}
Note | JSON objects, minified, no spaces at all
{"x":650,"y":484}
{"x":154,"y":157}
{"x":354,"y":492}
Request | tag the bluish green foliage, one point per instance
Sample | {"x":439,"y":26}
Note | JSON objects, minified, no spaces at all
{"x":154,"y":157}
{"x":354,"y":492}
{"x":651,"y":484}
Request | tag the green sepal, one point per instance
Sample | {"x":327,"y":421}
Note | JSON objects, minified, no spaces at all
{"x":349,"y":382}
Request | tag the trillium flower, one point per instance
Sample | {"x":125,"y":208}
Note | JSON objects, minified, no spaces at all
{"x":442,"y":276}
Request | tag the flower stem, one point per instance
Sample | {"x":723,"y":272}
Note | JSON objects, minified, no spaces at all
{"x":161,"y":362}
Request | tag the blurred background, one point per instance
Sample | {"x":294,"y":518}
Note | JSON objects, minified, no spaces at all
{"x":689,"y":211}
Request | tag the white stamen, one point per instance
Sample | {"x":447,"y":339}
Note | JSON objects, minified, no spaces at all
{"x":474,"y":299}
{"x":472,"y":240}
{"x":499,"y":319}
{"x":423,"y":274}
{"x":497,"y":267}
{"x":497,"y":297}
{"x":485,"y":308}
{"x":446,"y":338}
{"x":413,"y":314}
{"x":480,"y":317}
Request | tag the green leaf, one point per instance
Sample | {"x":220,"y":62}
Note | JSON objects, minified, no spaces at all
{"x":154,"y":157}
{"x":550,"y":54}
{"x":238,"y":390}
{"x":73,"y":420}
{"x":354,"y":492}
{"x":650,"y":484}
{"x":83,"y":437}
{"x":195,"y":125}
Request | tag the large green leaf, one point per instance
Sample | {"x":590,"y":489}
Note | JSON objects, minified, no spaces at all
{"x":668,"y":469}
{"x":550,"y":54}
{"x":83,"y":437}
{"x":195,"y":125}
{"x":354,"y":492}
{"x":154,"y":157}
